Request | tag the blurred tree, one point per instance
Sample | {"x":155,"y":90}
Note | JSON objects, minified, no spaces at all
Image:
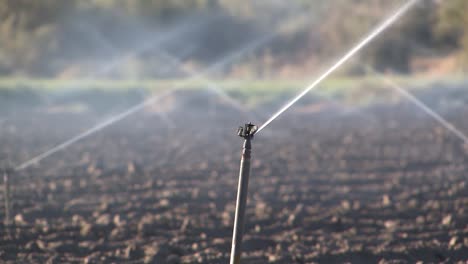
{"x":452,"y":27}
{"x":409,"y":37}
{"x":28,"y":33}
{"x":46,"y":37}
{"x":157,"y":10}
{"x":350,"y":20}
{"x":30,"y":14}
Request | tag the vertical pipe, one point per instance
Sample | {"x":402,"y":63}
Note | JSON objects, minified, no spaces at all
{"x":241,"y":202}
{"x":6,"y":195}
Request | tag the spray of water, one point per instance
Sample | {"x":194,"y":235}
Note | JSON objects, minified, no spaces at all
{"x":212,"y":86}
{"x":199,"y":76}
{"x":170,"y":124}
{"x":376,"y":32}
{"x":182,"y":54}
{"x":148,"y":45}
{"x":449,"y":126}
{"x":92,"y":130}
{"x":104,"y":45}
{"x":161,"y":38}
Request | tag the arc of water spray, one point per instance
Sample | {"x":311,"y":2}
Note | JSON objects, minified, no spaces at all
{"x":115,"y":62}
{"x":197,"y":76}
{"x":212,"y":86}
{"x":227,"y":59}
{"x":148,"y":45}
{"x":449,"y":126}
{"x":178,"y":63}
{"x":372,"y":35}
{"x":86,"y":28}
{"x":91,"y":131}
{"x":118,"y":60}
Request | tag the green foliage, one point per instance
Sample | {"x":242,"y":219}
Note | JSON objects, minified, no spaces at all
{"x":46,"y":38}
{"x":452,"y":27}
{"x":101,"y":94}
{"x":28,"y":33}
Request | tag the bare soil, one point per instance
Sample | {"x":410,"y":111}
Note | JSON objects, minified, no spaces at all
{"x":381,"y":184}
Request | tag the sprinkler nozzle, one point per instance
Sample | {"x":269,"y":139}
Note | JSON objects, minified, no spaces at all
{"x":248,"y":131}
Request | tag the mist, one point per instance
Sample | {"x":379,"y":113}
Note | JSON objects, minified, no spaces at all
{"x":118,"y":125}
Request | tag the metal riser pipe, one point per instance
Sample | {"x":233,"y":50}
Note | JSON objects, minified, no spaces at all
{"x":241,"y":202}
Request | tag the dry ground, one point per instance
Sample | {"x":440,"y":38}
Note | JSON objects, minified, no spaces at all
{"x":382,"y":184}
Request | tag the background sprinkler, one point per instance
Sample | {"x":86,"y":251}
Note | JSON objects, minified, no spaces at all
{"x":247,"y":132}
{"x":6,"y":196}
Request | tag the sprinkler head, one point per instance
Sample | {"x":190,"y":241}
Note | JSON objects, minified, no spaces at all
{"x":248,"y":131}
{"x":8,"y":170}
{"x":6,"y":167}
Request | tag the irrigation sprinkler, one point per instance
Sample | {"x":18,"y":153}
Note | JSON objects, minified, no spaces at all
{"x":247,"y":132}
{"x":394,"y":17}
{"x":6,"y":196}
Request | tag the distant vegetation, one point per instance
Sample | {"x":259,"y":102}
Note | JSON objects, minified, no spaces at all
{"x":16,"y":95}
{"x":77,"y":38}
